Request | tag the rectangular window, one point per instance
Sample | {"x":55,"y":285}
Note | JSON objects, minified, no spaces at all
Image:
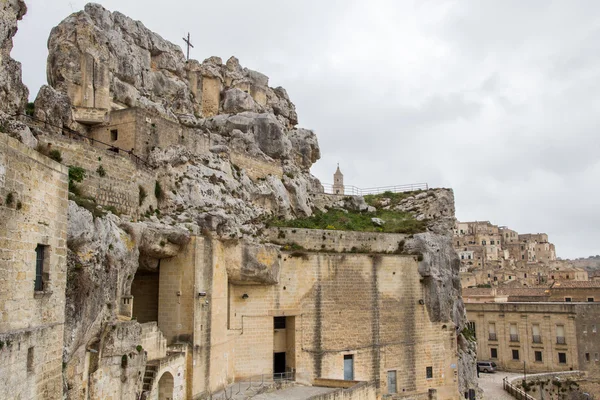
{"x":114,"y":134}
{"x":493,"y":353}
{"x":562,"y":358}
{"x":587,"y":357}
{"x":492,"y":331}
{"x":483,"y":242}
{"x":590,"y":299}
{"x":538,"y":356}
{"x":30,"y":359}
{"x":522,"y":257}
{"x":596,"y":357}
{"x":560,"y":334}
{"x":471,"y":326}
{"x":515,"y":354}
{"x":348,"y":367}
{"x":537,"y":338}
{"x":429,"y":372}
{"x":568,"y":299}
{"x":391,"y":381}
{"x":514,"y":333}
{"x":40,"y":253}
{"x":594,"y":328}
{"x":279,"y":323}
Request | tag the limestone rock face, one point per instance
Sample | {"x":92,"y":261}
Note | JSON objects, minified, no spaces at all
{"x":14,"y":128}
{"x":439,"y":269}
{"x":107,"y":60}
{"x":13,"y":93}
{"x":237,"y":101}
{"x":305,"y":147}
{"x":261,"y":265}
{"x":103,"y":256}
{"x":436,"y":205}
{"x":54,"y":108}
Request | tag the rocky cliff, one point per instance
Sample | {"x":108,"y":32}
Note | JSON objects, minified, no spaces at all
{"x":214,"y":192}
{"x":13,"y":93}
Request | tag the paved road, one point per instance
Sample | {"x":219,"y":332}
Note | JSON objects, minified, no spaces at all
{"x":492,"y":385}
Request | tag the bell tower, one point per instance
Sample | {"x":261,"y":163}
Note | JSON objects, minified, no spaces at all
{"x":338,"y":181}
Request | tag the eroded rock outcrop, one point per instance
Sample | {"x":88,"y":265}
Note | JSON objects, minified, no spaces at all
{"x":13,"y":93}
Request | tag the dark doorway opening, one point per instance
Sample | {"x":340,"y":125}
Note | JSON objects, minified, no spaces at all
{"x":144,"y":290}
{"x":279,"y":365}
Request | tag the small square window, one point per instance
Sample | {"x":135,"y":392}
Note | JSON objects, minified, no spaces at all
{"x":279,"y":323}
{"x":114,"y":134}
{"x":493,"y":353}
{"x":429,"y":372}
{"x":562,"y":358}
{"x":538,"y":356}
{"x":515,"y":354}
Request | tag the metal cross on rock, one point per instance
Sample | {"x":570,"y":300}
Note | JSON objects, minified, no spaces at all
{"x":189,"y":44}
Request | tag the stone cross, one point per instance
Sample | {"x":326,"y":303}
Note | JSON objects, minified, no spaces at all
{"x":189,"y":44}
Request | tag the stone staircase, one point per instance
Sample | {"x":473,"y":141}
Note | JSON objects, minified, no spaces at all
{"x":149,"y":376}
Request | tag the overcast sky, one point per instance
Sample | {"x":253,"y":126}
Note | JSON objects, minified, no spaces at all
{"x":498,"y":100}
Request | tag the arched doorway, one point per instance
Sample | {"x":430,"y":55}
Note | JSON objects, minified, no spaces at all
{"x":165,"y":387}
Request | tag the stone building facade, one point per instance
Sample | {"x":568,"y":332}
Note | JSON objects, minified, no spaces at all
{"x":498,"y":256}
{"x":248,"y":313}
{"x":33,"y":226}
{"x":539,"y":336}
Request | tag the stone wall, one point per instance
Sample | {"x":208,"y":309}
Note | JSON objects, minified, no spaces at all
{"x":359,"y":305}
{"x":360,"y":391}
{"x":119,"y":187}
{"x":33,"y":208}
{"x":256,"y":169}
{"x":144,"y":130}
{"x":587,"y":326}
{"x":119,"y":371}
{"x":153,"y":341}
{"x":337,"y":241}
{"x":367,"y":306}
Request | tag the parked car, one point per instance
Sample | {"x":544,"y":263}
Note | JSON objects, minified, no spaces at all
{"x":486,"y":366}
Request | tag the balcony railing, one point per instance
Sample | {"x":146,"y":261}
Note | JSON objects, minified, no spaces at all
{"x":560,"y":340}
{"x":537,"y":339}
{"x":493,"y":336}
{"x":514,"y":337}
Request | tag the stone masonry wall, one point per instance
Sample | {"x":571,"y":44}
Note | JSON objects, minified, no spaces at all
{"x":33,"y":208}
{"x":338,"y":241}
{"x":256,"y":168}
{"x":119,"y":187}
{"x":361,"y":391}
{"x":346,"y":304}
{"x":153,"y":341}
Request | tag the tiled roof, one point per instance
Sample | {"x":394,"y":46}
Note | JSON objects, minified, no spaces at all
{"x":576,"y":284}
{"x":532,"y":292}
{"x":466,"y":292}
